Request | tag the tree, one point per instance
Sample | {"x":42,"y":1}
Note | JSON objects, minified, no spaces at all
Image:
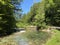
{"x":7,"y":20}
{"x":36,"y":15}
{"x":40,"y":16}
{"x":52,"y":12}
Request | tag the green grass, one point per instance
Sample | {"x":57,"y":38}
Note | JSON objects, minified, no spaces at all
{"x":7,"y":40}
{"x":34,"y":38}
{"x":55,"y":39}
{"x":37,"y":38}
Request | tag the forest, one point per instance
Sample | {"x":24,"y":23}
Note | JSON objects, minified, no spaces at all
{"x":45,"y":15}
{"x":42,"y":14}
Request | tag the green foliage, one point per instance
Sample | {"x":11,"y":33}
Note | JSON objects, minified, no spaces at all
{"x":36,"y":15}
{"x":43,"y":14}
{"x":21,"y":25}
{"x":52,"y":12}
{"x":7,"y":19}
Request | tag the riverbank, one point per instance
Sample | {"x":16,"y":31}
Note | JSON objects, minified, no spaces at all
{"x":30,"y":38}
{"x":55,"y":39}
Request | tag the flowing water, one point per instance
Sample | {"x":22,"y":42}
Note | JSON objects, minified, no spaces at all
{"x":21,"y":40}
{"x":37,"y":38}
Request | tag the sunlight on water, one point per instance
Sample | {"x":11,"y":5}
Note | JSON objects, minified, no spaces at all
{"x":21,"y":40}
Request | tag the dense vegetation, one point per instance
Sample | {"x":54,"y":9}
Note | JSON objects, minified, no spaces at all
{"x":42,"y":14}
{"x":52,"y":12}
{"x":7,"y":19}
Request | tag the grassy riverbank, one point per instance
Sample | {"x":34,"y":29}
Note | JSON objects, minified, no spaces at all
{"x":35,"y":38}
{"x":8,"y":40}
{"x":55,"y":39}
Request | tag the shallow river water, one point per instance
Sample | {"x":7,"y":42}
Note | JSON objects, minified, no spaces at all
{"x":21,"y":40}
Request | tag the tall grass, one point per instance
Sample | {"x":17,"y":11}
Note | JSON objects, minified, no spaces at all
{"x":37,"y":38}
{"x":55,"y":39}
{"x":7,"y":40}
{"x":34,"y":38}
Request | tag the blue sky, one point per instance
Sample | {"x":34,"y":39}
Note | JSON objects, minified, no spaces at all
{"x":26,"y":4}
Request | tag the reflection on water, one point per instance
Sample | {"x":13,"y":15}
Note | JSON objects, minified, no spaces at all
{"x":21,"y":40}
{"x":31,"y":38}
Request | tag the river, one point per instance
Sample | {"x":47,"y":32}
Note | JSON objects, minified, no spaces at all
{"x":20,"y":39}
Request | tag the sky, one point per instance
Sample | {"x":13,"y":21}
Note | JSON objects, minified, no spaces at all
{"x":26,"y":4}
